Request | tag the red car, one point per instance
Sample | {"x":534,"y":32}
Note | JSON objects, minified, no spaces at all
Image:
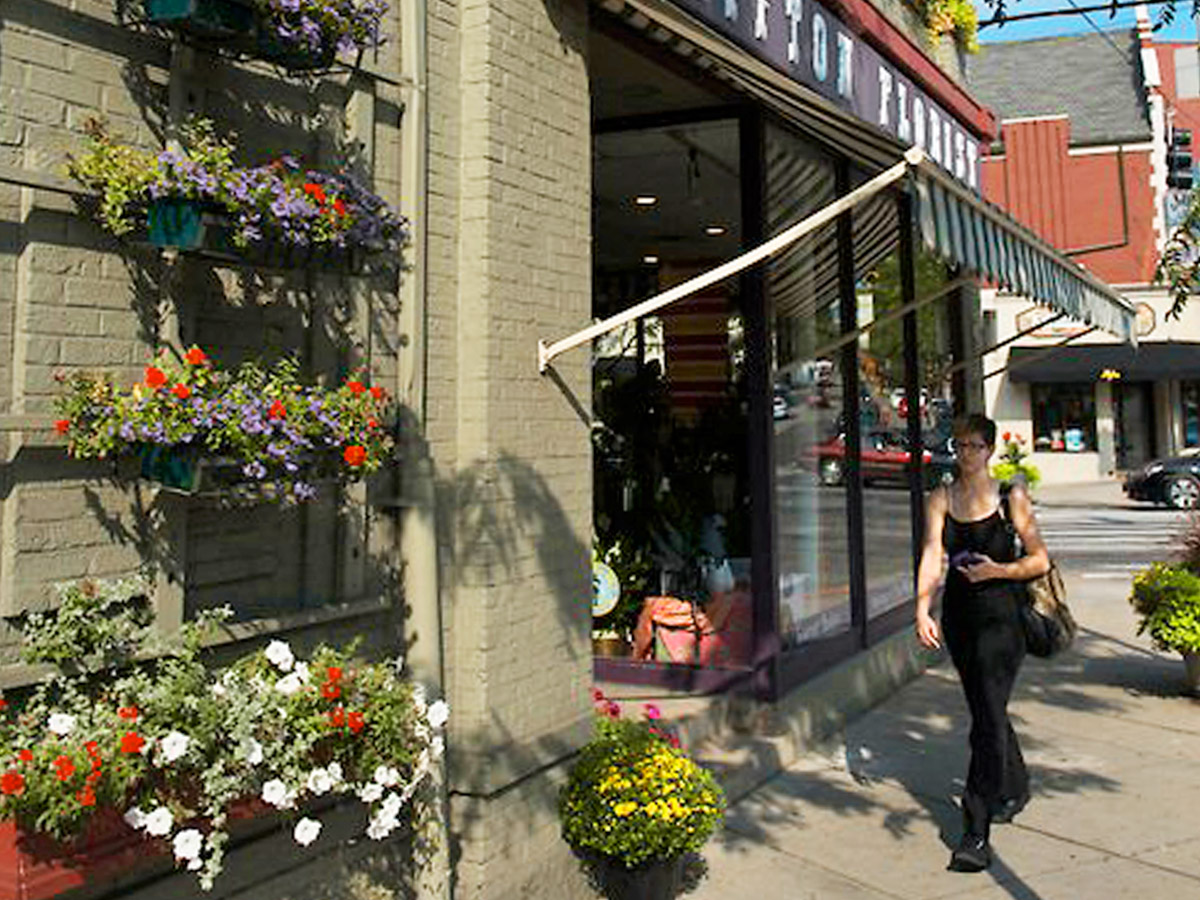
{"x":883,"y":458}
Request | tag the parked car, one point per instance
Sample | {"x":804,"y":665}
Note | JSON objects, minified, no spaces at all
{"x":883,"y":456}
{"x":1171,"y":481}
{"x":780,"y":407}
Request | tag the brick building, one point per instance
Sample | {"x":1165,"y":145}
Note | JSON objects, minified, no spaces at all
{"x":1082,"y":159}
{"x":559,"y":161}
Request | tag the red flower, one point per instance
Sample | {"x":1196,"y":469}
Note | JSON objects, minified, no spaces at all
{"x":330,"y":690}
{"x":597,"y":694}
{"x":65,"y":767}
{"x":196,"y":357}
{"x":25,"y":755}
{"x":355,"y":721}
{"x":125,"y":712}
{"x":182,"y":391}
{"x":92,"y":748}
{"x":86,"y":797}
{"x":1007,"y":435}
{"x":613,"y":710}
{"x":334,"y":673}
{"x":372,"y":423}
{"x":673,"y":741}
{"x":94,"y":775}
{"x":339,"y":206}
{"x":155,"y":377}
{"x":652,"y":712}
{"x":277,"y":410}
{"x":378,"y":393}
{"x":12,"y":782}
{"x":132,"y":742}
{"x":337,"y":717}
{"x":62,"y":426}
{"x":355,"y":455}
{"x":356,"y":387}
{"x":316,"y":192}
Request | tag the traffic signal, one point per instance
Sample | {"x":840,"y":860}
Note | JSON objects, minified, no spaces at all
{"x":1179,"y":159}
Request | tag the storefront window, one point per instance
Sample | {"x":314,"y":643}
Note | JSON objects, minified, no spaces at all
{"x":1189,"y":394}
{"x":1064,"y":417}
{"x":671,"y":487}
{"x":811,"y":542}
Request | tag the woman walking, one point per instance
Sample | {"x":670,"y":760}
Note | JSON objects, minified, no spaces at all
{"x":980,"y":624}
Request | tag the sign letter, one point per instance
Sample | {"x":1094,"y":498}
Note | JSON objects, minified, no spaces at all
{"x":885,"y":96}
{"x":903,"y":122}
{"x":792,"y":9}
{"x":845,"y":72}
{"x":935,"y":135}
{"x":820,"y":47}
{"x":972,"y":165}
{"x":960,"y":156}
{"x":760,"y":18}
{"x":918,"y":118}
{"x":731,"y":10}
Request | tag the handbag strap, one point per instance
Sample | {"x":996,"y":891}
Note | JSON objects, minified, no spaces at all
{"x":1006,"y":515}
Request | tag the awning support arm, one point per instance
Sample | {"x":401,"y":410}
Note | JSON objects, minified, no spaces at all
{"x":1036,"y":356}
{"x":890,"y":316}
{"x":950,"y":370}
{"x":781,"y":241}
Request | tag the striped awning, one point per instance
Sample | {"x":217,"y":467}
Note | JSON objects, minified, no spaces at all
{"x":968,"y":231}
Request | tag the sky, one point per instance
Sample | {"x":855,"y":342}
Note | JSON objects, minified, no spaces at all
{"x":1183,"y":28}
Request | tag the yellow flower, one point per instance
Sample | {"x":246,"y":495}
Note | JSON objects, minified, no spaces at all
{"x":624,"y":809}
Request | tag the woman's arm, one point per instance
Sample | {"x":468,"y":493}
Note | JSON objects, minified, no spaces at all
{"x":1036,"y":560}
{"x":929,"y":572}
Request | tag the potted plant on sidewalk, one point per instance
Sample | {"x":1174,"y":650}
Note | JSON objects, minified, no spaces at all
{"x":1167,"y":598}
{"x":1012,"y":467}
{"x":135,"y":749}
{"x":635,"y":805}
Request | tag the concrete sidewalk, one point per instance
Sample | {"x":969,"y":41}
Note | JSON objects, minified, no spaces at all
{"x":1085,"y":494}
{"x":1113,"y":750}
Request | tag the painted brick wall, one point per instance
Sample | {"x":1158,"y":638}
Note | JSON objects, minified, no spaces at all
{"x":509,"y":263}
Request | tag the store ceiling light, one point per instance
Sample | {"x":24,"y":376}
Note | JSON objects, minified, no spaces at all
{"x":714,"y":230}
{"x":645,"y":200}
{"x":650,"y":260}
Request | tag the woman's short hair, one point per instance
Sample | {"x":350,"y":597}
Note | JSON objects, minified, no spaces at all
{"x":975,"y":423}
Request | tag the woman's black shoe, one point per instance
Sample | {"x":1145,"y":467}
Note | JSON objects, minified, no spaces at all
{"x":1009,"y":808}
{"x":971,"y":855}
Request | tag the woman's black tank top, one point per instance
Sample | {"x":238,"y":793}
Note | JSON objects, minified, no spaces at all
{"x":991,"y":536}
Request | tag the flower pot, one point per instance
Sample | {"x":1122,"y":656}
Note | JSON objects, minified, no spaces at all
{"x":187,"y":470}
{"x":188,"y":225}
{"x":209,"y":18}
{"x":1191,"y":662}
{"x":293,"y":57}
{"x":657,"y":880}
{"x":35,"y":866}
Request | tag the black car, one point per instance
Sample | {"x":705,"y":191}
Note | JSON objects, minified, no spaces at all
{"x":1174,"y":481}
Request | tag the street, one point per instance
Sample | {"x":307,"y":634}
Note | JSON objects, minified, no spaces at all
{"x":1107,"y":542}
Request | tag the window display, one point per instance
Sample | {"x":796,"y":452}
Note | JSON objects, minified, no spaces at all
{"x":1064,"y":417}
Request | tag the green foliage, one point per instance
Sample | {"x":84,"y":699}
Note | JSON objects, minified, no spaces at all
{"x":957,"y":17}
{"x":172,"y":746}
{"x":634,"y":796}
{"x":1007,"y":472}
{"x":121,"y":173}
{"x":280,"y":430}
{"x":1167,"y":598}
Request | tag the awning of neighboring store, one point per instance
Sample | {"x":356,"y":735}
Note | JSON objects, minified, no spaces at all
{"x":1085,"y":362}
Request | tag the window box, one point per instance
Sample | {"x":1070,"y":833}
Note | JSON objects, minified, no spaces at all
{"x":206,"y":18}
{"x":189,"y":225}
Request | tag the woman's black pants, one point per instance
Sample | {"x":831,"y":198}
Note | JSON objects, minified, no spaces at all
{"x":987,"y":645}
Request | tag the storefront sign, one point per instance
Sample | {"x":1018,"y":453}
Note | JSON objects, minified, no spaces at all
{"x":1060,"y":327}
{"x":806,"y":41}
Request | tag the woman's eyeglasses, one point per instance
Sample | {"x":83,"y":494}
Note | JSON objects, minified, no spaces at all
{"x":978,"y":446}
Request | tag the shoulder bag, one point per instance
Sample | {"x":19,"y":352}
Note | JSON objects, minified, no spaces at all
{"x":1045,"y":617}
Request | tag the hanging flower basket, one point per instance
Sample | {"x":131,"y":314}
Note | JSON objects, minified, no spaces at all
{"x":197,"y":428}
{"x":199,"y":201}
{"x":298,"y":35}
{"x":208,"y":18}
{"x":119,"y":760}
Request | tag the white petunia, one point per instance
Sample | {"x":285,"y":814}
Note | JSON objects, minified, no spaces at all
{"x":174,"y":745}
{"x":391,"y":806}
{"x":135,"y":818}
{"x":437,"y":746}
{"x":306,"y":831}
{"x":252,"y":751}
{"x":289,"y":684}
{"x":319,"y":782}
{"x":369,"y":793}
{"x":218,"y":690}
{"x":159,"y":822}
{"x":276,"y":793}
{"x":335,"y":773}
{"x":280,"y":655}
{"x":62,"y":724}
{"x":398,"y":664}
{"x":419,"y":698}
{"x":387,"y":775}
{"x":438,"y":713}
{"x":188,"y":844}
{"x":301,"y":671}
{"x":380,"y":827}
